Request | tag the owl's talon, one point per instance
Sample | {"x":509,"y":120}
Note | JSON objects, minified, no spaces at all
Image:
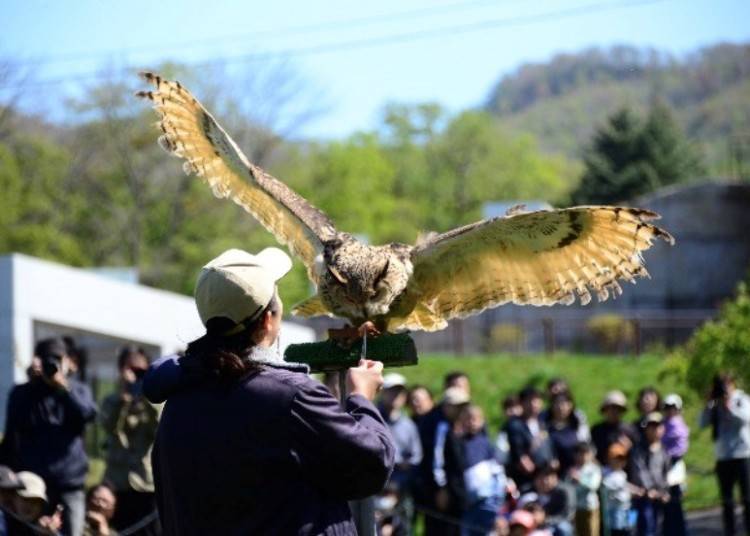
{"x":368,"y":328}
{"x":348,"y":335}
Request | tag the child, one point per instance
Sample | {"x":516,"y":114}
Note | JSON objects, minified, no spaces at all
{"x":511,"y":408}
{"x":649,"y":465}
{"x":675,"y":443}
{"x":586,"y":476}
{"x":483,"y":476}
{"x":616,"y":491}
{"x":556,"y":498}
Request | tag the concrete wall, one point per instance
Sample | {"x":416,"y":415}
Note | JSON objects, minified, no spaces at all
{"x":36,"y":291}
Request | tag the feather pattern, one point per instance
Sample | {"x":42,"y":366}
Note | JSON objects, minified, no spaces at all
{"x":533,"y":258}
{"x":190,"y":132}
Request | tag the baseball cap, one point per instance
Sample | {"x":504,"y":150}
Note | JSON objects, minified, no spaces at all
{"x":615,"y":398}
{"x":673,"y":400}
{"x":393,"y":379}
{"x":455,"y":396}
{"x":9,"y":479}
{"x":33,"y":486}
{"x":653,"y":418}
{"x":238,"y":285}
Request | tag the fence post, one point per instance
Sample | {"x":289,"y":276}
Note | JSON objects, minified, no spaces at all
{"x":549,"y":335}
{"x":637,"y":336}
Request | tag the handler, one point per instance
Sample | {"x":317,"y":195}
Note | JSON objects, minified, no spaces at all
{"x":247,"y":443}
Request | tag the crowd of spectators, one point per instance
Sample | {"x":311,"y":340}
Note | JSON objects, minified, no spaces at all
{"x":546,"y":473}
{"x":43,"y":459}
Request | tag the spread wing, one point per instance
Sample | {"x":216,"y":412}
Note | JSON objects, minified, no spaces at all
{"x":536,"y":258}
{"x":190,"y":132}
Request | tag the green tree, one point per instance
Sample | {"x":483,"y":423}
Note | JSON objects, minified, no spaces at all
{"x":38,"y":206}
{"x":721,"y":345}
{"x":629,"y":157}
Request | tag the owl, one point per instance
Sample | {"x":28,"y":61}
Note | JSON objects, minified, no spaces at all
{"x":527,"y":258}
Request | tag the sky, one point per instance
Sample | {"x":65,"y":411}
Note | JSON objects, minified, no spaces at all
{"x":353,"y":57}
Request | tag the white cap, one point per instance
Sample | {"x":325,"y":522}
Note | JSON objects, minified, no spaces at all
{"x":455,"y":396}
{"x":33,"y":486}
{"x":394,"y":379}
{"x":673,"y":399}
{"x":238,"y":285}
{"x":615,"y":398}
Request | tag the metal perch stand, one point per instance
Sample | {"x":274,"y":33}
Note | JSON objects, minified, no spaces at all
{"x":394,"y":350}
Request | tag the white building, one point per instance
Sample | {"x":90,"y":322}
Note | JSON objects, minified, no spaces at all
{"x":40,"y":299}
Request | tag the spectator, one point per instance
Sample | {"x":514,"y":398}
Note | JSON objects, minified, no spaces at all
{"x":78,"y":357}
{"x":565,"y":430}
{"x":612,"y":429}
{"x":389,"y":518}
{"x":728,"y":414}
{"x":406,"y":439}
{"x":556,"y":386}
{"x":538,"y":515}
{"x":101,"y":505}
{"x":45,"y":423}
{"x":648,"y":469}
{"x":130,"y":422}
{"x":459,"y":379}
{"x":530,"y":446}
{"x":556,"y":498}
{"x":420,"y":402}
{"x":28,"y":509}
{"x":648,"y":401}
{"x":511,"y":408}
{"x":446,"y":499}
{"x":9,"y":484}
{"x":616,"y":491}
{"x":250,"y":444}
{"x":675,"y":443}
{"x":481,"y":479}
{"x":586,"y":477}
{"x":522,"y":523}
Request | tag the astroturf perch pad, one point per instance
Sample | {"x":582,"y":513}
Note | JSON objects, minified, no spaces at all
{"x":393,"y":349}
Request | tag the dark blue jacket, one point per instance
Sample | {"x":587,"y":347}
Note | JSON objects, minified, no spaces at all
{"x":44,"y":432}
{"x":271,"y":454}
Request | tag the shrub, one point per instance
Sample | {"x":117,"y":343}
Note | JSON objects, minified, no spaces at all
{"x":721,"y":345}
{"x":611,"y":331}
{"x":507,"y":338}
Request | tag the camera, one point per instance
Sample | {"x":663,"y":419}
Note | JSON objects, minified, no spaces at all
{"x":51,"y":364}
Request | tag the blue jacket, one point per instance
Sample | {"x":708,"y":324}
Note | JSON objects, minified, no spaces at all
{"x":44,"y":432}
{"x":272,"y":454}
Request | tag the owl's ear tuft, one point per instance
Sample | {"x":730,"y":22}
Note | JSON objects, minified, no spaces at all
{"x":382,"y":274}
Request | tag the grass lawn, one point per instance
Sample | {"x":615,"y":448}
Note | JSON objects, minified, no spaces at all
{"x":494,"y":377}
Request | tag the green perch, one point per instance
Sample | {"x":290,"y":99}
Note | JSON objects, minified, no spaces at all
{"x":393,"y":349}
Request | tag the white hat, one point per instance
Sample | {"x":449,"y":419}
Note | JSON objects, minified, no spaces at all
{"x":238,"y":285}
{"x":673,"y":399}
{"x":394,"y":379}
{"x":33,"y":486}
{"x":455,"y":396}
{"x":615,"y":398}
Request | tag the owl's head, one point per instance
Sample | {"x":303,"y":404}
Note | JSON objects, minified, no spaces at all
{"x":367,"y":275}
